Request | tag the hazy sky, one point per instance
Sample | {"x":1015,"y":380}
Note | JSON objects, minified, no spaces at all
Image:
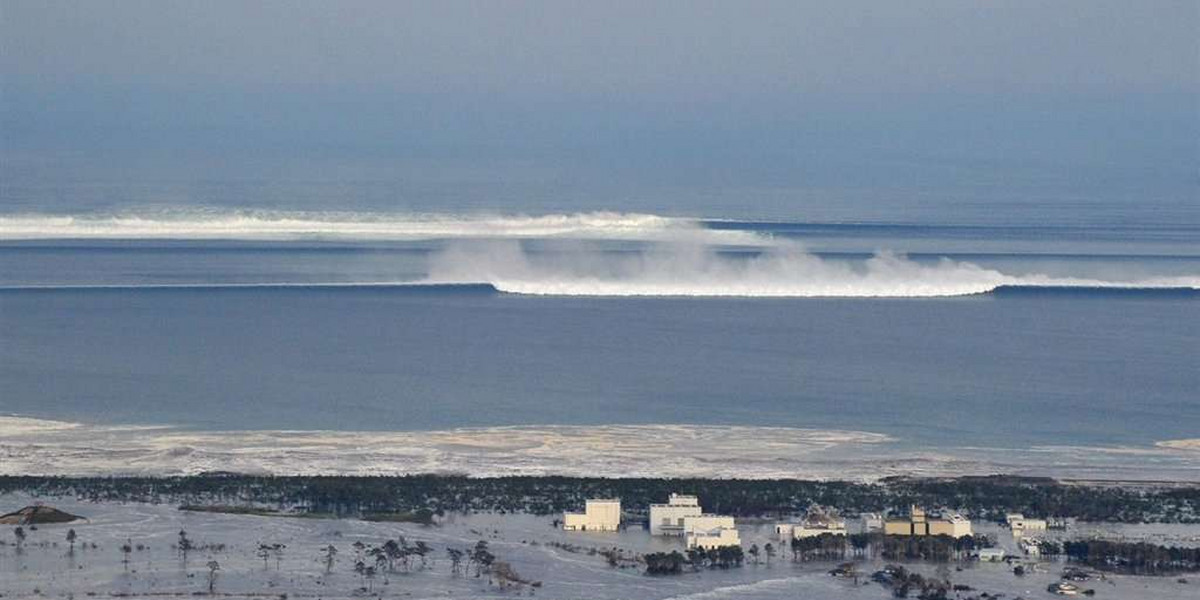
{"x":752,"y":82}
{"x":618,"y":50}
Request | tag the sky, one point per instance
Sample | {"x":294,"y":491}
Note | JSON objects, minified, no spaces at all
{"x":760,"y":89}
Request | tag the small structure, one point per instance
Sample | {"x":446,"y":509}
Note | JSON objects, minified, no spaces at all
{"x":1064,"y":589}
{"x":1030,"y":546}
{"x":919,"y":523}
{"x":991,"y":554}
{"x":815,"y":523}
{"x":710,"y":531}
{"x":597,"y":515}
{"x":667,"y":519}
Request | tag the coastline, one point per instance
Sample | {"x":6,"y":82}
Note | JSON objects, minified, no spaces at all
{"x":31,"y":446}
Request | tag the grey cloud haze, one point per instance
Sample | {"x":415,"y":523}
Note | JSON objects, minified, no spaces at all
{"x":769,"y":91}
{"x":627,"y":49}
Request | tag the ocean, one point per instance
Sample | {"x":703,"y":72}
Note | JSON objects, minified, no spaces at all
{"x":932,"y":335}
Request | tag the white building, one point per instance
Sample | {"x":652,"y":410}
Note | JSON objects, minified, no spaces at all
{"x":710,"y":531}
{"x":1021,"y":526}
{"x":598,"y":515}
{"x":667,"y":519}
{"x":1030,"y":546}
{"x":814,"y":524}
{"x":991,"y":554}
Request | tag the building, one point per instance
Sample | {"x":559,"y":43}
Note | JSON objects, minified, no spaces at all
{"x":667,"y":519}
{"x":919,"y":523}
{"x":814,"y":523}
{"x":710,"y":531}
{"x":871,"y":522}
{"x":951,"y":524}
{"x":1021,"y":525}
{"x":1030,"y":546}
{"x":991,"y":554}
{"x":598,"y":515}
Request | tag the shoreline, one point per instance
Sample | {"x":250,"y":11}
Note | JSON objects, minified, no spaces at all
{"x":46,"y":447}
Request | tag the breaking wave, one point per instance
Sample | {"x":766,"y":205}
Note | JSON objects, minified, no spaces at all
{"x":780,"y":270}
{"x":281,"y":225}
{"x":1186,"y":444}
{"x":672,"y":257}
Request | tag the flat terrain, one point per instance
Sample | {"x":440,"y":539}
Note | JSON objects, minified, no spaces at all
{"x":529,"y":543}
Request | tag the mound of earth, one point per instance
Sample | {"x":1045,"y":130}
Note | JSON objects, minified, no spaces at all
{"x":37,"y":515}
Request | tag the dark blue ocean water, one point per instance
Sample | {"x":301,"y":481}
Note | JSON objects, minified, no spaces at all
{"x":1008,"y":366}
{"x":1015,"y":367}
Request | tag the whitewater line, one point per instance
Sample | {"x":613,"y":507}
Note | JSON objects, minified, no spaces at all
{"x":617,"y":289}
{"x":292,"y":226}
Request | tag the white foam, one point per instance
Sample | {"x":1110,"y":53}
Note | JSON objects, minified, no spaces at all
{"x":37,"y":447}
{"x":281,"y":225}
{"x":781,"y":270}
{"x":1191,"y":445}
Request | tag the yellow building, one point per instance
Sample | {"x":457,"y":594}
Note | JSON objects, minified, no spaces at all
{"x":598,"y":515}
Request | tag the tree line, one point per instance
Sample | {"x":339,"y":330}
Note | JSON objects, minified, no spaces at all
{"x":981,"y":497}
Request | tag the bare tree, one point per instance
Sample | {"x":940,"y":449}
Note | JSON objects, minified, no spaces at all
{"x":213,"y":567}
{"x":369,"y":574}
{"x":126,"y":550}
{"x":421,"y":550}
{"x":456,"y":557}
{"x":329,"y":554}
{"x":184,"y":546}
{"x":263,"y":552}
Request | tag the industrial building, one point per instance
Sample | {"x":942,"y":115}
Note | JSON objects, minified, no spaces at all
{"x":919,"y":523}
{"x":710,"y":531}
{"x":667,"y":519}
{"x":815,"y":523}
{"x":598,"y":515}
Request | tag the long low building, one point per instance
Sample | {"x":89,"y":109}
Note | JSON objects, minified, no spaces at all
{"x":710,"y":531}
{"x":919,"y":523}
{"x":815,"y":523}
{"x":597,"y":515}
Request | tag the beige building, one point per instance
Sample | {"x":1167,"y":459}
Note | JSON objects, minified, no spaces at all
{"x":919,"y":523}
{"x":598,"y":515}
{"x":667,"y":519}
{"x":710,"y":531}
{"x":1022,"y":526}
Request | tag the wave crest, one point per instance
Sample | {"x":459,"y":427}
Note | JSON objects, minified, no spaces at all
{"x":780,"y":270}
{"x":279,"y":225}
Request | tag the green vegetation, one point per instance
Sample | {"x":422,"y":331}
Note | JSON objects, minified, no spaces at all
{"x":422,"y":516}
{"x":1136,"y":558}
{"x":981,"y":497}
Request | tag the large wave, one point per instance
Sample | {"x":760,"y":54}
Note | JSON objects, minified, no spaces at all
{"x":279,"y":225}
{"x":779,"y":270}
{"x":674,"y":257}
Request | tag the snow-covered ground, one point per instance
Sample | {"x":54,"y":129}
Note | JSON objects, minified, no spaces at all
{"x":44,"y":566}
